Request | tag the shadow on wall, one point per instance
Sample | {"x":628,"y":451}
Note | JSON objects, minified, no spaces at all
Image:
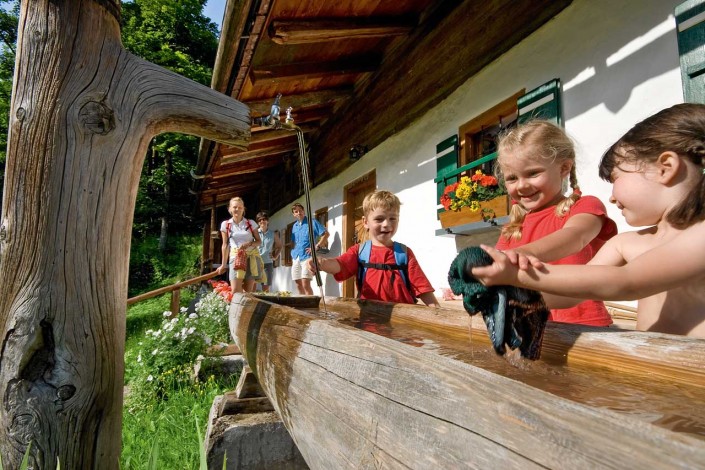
{"x":623,"y":69}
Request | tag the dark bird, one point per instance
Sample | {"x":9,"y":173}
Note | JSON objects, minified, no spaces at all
{"x":514,"y":316}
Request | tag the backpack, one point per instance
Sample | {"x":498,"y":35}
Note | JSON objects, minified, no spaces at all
{"x":400,"y":257}
{"x":229,"y":223}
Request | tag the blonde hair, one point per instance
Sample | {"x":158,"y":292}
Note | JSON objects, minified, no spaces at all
{"x":547,"y":141}
{"x":235,"y":199}
{"x":380,"y":199}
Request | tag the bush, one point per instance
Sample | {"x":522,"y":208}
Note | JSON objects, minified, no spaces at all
{"x":165,"y":356}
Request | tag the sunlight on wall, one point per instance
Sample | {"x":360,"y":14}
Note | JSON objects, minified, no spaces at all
{"x":633,"y":46}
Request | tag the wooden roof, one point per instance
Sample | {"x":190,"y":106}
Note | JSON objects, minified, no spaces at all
{"x":354,"y":72}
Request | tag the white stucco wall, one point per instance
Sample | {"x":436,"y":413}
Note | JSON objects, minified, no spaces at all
{"x":618,"y":62}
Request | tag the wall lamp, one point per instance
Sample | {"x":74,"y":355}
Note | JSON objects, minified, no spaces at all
{"x":357,"y":151}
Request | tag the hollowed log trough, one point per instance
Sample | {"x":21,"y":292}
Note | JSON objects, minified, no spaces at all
{"x":354,"y":399}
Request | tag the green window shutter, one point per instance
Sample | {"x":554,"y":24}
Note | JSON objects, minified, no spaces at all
{"x":690,"y":24}
{"x":543,"y":102}
{"x":446,"y":162}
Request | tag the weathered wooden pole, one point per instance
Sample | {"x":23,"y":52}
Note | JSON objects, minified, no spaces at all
{"x":83,"y":112}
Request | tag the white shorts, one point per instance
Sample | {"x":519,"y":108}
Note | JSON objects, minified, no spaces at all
{"x":299,"y":271}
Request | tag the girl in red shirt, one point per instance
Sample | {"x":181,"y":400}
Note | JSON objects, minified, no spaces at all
{"x":536,"y":160}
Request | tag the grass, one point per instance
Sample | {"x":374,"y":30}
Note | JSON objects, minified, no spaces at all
{"x":164,"y":432}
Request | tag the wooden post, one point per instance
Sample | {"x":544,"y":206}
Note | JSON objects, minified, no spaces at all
{"x":82,"y":115}
{"x":174,"y":304}
{"x":211,"y":240}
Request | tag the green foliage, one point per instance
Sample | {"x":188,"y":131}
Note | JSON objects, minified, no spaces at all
{"x":166,"y":354}
{"x":8,"y":40}
{"x":178,"y":37}
{"x":150,"y":269}
{"x":168,"y":425}
{"x":172,"y":34}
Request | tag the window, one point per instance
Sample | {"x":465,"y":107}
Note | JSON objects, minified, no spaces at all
{"x":288,"y":245}
{"x":322,"y":217}
{"x":475,"y":146}
{"x":690,"y":23}
{"x":478,"y":137}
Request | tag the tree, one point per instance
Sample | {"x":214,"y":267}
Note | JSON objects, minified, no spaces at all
{"x":83,"y":113}
{"x":178,"y":37}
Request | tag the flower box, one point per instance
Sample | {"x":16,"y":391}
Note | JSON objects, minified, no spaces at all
{"x":496,"y":207}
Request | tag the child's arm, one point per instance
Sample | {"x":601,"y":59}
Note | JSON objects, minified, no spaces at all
{"x":328,"y":265}
{"x":429,"y":299}
{"x":576,"y":234}
{"x":662,"y":268}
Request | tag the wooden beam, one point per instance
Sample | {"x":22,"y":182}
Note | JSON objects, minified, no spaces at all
{"x":266,"y":151}
{"x":268,"y":135}
{"x":230,"y":37}
{"x":308,"y":70}
{"x":419,"y":76}
{"x":223,"y":198}
{"x":304,"y":31}
{"x":301,"y":101}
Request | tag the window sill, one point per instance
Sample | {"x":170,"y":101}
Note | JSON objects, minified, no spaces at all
{"x":472,"y":228}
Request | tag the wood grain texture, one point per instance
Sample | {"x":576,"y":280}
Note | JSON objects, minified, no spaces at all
{"x":352,"y":399}
{"x":441,"y":55}
{"x":83,"y":113}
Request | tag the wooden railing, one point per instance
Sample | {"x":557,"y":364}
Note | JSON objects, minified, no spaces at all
{"x":175,"y":292}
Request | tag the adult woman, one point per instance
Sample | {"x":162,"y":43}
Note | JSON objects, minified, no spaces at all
{"x":269,"y":249}
{"x":239,"y":236}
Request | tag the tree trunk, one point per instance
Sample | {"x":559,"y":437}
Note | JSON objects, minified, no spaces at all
{"x":83,"y":112}
{"x":164,"y":232}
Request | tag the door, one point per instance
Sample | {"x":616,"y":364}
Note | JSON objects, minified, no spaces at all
{"x":354,"y":230}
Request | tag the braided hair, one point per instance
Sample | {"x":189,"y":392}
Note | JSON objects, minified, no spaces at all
{"x":549,"y":142}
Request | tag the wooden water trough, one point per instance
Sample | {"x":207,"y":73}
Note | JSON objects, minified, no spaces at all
{"x":378,"y":385}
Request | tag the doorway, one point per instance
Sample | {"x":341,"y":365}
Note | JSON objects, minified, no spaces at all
{"x":353,"y":229}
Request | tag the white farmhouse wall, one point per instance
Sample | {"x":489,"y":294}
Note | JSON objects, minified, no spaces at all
{"x":618,"y":62}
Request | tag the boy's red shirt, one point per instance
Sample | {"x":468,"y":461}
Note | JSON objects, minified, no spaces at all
{"x":544,"y":222}
{"x":380,"y":284}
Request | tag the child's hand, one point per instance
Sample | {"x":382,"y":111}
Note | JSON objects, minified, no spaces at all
{"x":522,"y":260}
{"x":311,"y":266}
{"x":501,"y":272}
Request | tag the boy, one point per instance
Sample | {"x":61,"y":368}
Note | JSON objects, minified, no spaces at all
{"x":384,"y":279}
{"x":300,"y":273}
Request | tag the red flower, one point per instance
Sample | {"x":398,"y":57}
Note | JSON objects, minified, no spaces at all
{"x":222,"y":288}
{"x":487,"y":180}
{"x":446,"y":200}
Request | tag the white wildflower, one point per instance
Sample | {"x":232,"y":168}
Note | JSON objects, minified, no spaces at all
{"x":166,"y":314}
{"x":150,"y":378}
{"x":154,"y":353}
{"x":193,"y":316}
